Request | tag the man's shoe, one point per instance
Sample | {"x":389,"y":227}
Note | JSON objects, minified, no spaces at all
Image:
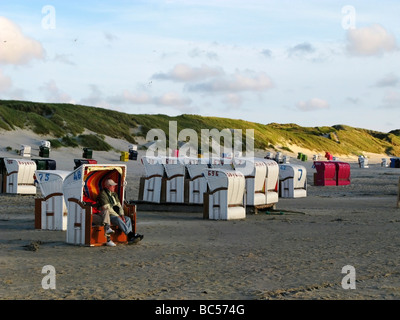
{"x":137,"y":235}
{"x":135,"y":238}
{"x":109,"y":231}
{"x":110,"y":243}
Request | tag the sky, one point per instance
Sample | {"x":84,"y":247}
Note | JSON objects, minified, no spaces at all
{"x":312,"y":63}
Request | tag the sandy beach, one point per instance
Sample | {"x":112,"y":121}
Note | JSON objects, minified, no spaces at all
{"x":294,"y":253}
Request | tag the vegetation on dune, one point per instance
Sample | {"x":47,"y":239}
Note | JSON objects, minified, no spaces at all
{"x":67,"y":125}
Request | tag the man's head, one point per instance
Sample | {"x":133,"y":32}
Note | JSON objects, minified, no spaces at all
{"x":110,"y":184}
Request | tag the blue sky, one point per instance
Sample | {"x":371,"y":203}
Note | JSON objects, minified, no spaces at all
{"x":312,"y":63}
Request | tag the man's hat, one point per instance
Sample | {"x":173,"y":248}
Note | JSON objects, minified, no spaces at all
{"x":110,"y":182}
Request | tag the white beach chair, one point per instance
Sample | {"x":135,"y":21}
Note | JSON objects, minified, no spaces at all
{"x":195,"y":183}
{"x":293,"y":181}
{"x":151,"y":183}
{"x":51,"y":209}
{"x":174,"y":180}
{"x":225,"y":199}
{"x":19,"y":177}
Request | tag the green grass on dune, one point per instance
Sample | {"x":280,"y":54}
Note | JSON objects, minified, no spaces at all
{"x":65,"y":125}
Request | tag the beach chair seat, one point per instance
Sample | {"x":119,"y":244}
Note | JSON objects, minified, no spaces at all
{"x":174,"y":181}
{"x":50,"y":208}
{"x":82,"y":231}
{"x":255,"y":172}
{"x":18,"y":176}
{"x":195,"y":183}
{"x":292,"y":181}
{"x":50,"y":212}
{"x":326,"y":173}
{"x":342,"y":173}
{"x":151,"y":184}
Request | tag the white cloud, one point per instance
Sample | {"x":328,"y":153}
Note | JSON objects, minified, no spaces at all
{"x":64,"y":58}
{"x":15,"y":47}
{"x":169,"y":99}
{"x":5,"y":82}
{"x":109,"y":36}
{"x":353,"y":100}
{"x":391,"y":100}
{"x":182,"y":73}
{"x":198,"y":53}
{"x":390,"y":80}
{"x":312,"y":105}
{"x":172,"y":99}
{"x":247,"y":81}
{"x":95,"y":97}
{"x":16,"y":94}
{"x":232,"y":100}
{"x":266,"y":53}
{"x":301,"y":49}
{"x":139,"y":98}
{"x":369,"y":41}
{"x":127,"y":97}
{"x":54,"y":94}
{"x":8,"y":90}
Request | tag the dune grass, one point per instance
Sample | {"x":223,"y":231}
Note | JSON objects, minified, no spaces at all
{"x":65,"y":125}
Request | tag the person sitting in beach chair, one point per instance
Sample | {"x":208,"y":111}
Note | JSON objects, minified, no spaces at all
{"x":100,"y":218}
{"x":111,"y":208}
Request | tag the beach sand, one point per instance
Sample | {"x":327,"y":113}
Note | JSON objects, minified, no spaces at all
{"x":294,"y":253}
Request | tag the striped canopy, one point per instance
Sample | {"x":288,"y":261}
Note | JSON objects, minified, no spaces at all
{"x":95,"y":177}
